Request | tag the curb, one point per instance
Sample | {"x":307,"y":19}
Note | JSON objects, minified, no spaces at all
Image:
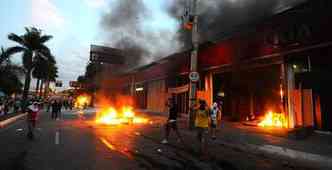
{"x":319,"y":160}
{"x":298,"y":155}
{"x":11,"y":120}
{"x":273,"y":150}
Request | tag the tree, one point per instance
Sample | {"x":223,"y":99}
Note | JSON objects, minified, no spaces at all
{"x":41,"y":72}
{"x":9,"y":74}
{"x":4,"y":56}
{"x":32,"y":46}
{"x":52,"y":74}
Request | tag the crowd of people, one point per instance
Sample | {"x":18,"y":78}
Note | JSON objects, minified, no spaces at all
{"x":56,"y":107}
{"x":9,"y":105}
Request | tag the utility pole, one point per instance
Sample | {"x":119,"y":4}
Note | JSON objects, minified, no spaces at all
{"x":191,"y":23}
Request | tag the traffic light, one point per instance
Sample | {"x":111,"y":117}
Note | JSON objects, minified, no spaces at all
{"x":188,"y":19}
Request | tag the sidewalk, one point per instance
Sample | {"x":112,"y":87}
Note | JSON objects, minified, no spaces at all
{"x":314,"y":150}
{"x":10,"y":118}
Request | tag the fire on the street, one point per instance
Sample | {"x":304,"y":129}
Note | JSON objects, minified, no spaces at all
{"x":272,"y":119}
{"x":82,"y":101}
{"x":112,"y":116}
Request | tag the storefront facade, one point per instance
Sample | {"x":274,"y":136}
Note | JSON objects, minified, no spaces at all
{"x":282,"y":64}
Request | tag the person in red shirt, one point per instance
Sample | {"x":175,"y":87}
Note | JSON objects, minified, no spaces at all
{"x":32,"y":118}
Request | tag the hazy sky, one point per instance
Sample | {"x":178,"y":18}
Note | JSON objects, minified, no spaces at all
{"x":75,"y":24}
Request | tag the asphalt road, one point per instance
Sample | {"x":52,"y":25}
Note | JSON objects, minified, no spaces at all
{"x":76,"y":142}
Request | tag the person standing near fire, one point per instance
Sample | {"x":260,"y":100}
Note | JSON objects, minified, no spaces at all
{"x":202,"y":125}
{"x":214,"y":119}
{"x":172,"y":120}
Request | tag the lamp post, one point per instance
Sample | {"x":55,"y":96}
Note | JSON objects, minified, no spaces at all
{"x":191,"y":23}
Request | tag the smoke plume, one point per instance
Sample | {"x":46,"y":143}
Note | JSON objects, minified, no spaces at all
{"x":219,"y":17}
{"x":128,"y":23}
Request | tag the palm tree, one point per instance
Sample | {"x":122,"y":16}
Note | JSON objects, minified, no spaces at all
{"x":32,"y":46}
{"x":9,"y":74}
{"x":52,"y":74}
{"x":41,"y":72}
{"x":4,"y":55}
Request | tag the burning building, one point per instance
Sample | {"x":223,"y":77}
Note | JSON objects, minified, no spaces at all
{"x":278,"y":69}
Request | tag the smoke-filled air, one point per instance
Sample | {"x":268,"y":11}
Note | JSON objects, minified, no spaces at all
{"x":128,"y":23}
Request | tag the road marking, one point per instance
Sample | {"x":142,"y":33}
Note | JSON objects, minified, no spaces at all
{"x":124,"y":151}
{"x":110,"y":146}
{"x":19,"y":130}
{"x":57,"y":137}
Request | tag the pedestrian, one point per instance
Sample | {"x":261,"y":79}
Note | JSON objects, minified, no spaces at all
{"x":172,"y":120}
{"x":213,"y":119}
{"x":48,"y":105}
{"x":59,"y":108}
{"x":2,"y":107}
{"x":54,"y":109}
{"x":71,"y":104}
{"x":6,"y":106}
{"x":17,"y":105}
{"x":202,"y":124}
{"x":65,"y":104}
{"x":32,"y":119}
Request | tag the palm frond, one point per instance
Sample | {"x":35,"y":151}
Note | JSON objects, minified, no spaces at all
{"x":5,"y":54}
{"x":17,"y":38}
{"x":45,"y":38}
{"x":13,"y":50}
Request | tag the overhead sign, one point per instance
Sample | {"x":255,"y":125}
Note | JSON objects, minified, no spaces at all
{"x":194,"y":76}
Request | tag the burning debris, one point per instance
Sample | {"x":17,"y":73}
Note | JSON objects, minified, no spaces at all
{"x":111,"y":116}
{"x":82,"y":101}
{"x":272,"y":119}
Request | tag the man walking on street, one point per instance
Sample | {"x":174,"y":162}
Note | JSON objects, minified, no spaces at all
{"x":54,"y":109}
{"x":32,"y":118}
{"x":171,"y":122}
{"x":202,"y":125}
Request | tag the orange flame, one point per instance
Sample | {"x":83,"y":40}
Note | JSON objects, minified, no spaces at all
{"x":272,"y":119}
{"x":110,"y":116}
{"x":82,"y":101}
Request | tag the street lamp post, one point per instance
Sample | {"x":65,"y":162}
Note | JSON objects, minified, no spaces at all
{"x":192,"y":21}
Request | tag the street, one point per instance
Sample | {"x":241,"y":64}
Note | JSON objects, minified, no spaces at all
{"x":76,"y":142}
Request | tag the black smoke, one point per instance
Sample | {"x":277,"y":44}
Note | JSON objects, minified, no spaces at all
{"x":221,"y":17}
{"x":126,"y":24}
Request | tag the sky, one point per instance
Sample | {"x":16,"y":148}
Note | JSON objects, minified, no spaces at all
{"x":74,"y":24}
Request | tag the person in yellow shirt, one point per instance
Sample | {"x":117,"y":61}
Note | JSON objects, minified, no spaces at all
{"x":202,"y":125}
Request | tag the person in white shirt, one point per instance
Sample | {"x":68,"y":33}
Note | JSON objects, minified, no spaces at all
{"x":213,"y":116}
